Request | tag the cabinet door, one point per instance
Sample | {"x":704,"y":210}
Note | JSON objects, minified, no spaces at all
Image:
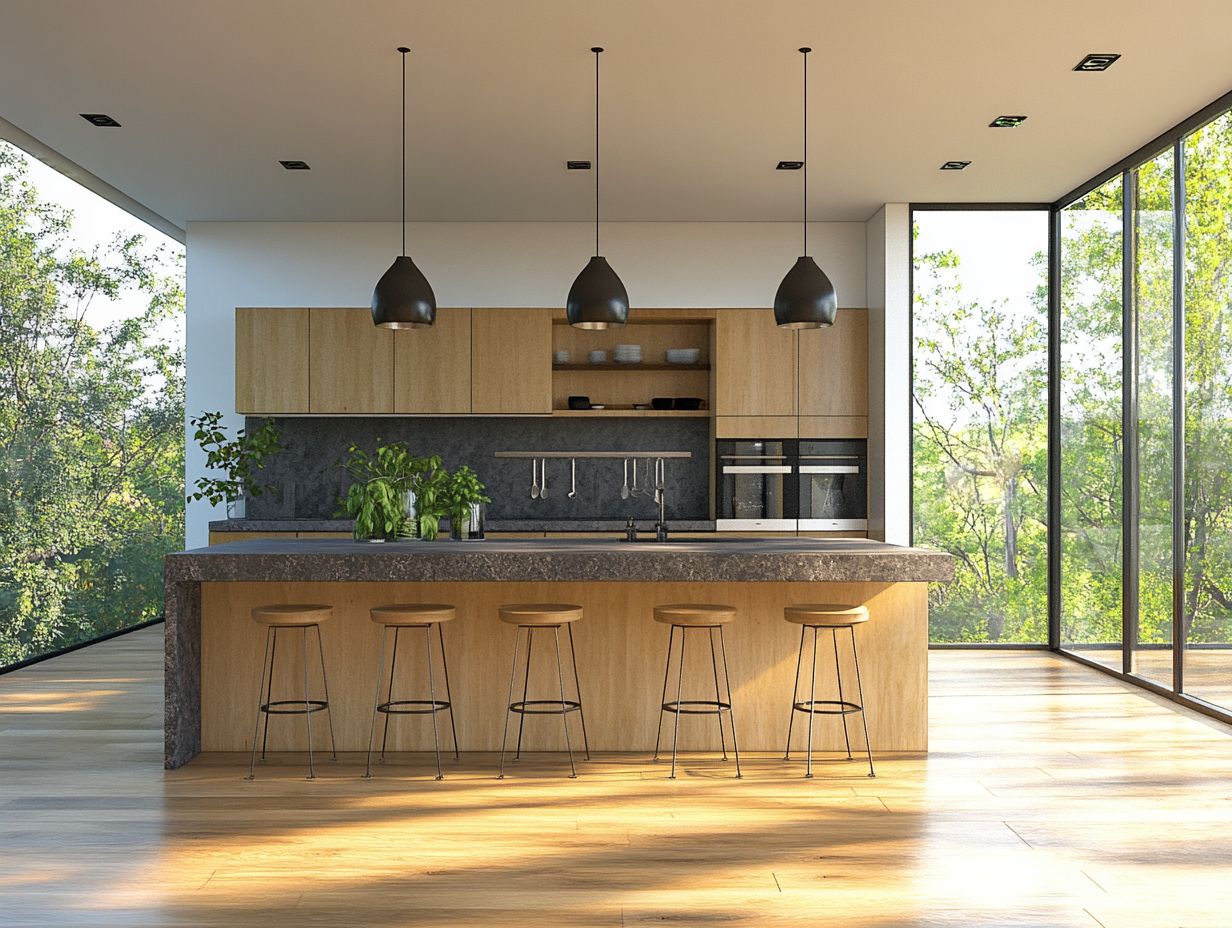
{"x":511,"y":361}
{"x":352,"y":363}
{"x":271,"y":361}
{"x":755,"y":365}
{"x":834,"y":367}
{"x":432,"y":367}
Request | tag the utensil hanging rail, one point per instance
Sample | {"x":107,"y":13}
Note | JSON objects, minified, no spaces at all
{"x":581,"y":455}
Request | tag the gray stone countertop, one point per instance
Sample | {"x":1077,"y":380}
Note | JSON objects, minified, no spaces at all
{"x":562,"y":559}
{"x":500,"y":525}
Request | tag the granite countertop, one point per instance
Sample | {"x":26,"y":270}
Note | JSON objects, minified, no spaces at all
{"x":498,"y":525}
{"x":564,"y":559}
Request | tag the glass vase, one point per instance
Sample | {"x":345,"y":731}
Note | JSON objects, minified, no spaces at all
{"x":468,"y":526}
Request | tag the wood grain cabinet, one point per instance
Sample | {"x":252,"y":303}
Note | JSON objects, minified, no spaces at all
{"x":834,"y":378}
{"x":511,"y":362}
{"x":432,"y":367}
{"x":271,"y":361}
{"x":351,"y":363}
{"x":754,"y":375}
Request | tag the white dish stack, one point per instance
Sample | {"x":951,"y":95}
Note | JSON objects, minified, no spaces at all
{"x":628,"y":354}
{"x":683,"y":355}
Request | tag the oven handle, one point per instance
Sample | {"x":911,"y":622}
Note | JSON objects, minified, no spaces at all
{"x":756,"y":469}
{"x":829,"y":469}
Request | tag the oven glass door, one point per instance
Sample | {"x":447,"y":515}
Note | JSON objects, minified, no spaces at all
{"x":833,"y":486}
{"x":756,"y":486}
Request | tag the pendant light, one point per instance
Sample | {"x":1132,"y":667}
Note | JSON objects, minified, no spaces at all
{"x":597,"y":299}
{"x":403,"y":298}
{"x":806,"y":298}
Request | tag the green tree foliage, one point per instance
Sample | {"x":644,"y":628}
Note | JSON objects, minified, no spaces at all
{"x":91,"y":427}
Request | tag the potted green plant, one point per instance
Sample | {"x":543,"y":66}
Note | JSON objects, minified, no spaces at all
{"x":427,"y":486}
{"x":376,"y":497}
{"x":464,"y":501}
{"x":239,"y":458}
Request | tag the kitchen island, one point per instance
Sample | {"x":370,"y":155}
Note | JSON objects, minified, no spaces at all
{"x":214,"y":650}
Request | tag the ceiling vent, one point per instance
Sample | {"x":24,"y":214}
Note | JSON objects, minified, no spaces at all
{"x":295,"y":165}
{"x":1096,"y":62}
{"x":102,"y":120}
{"x":1007,"y":122}
{"x":577,"y":165}
{"x":956,"y":165}
{"x":789,"y":165}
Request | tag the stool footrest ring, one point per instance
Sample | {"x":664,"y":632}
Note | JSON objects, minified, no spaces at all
{"x":305,"y":706}
{"x":429,"y":706}
{"x":714,"y":707}
{"x":561,"y":707}
{"x":810,"y":705}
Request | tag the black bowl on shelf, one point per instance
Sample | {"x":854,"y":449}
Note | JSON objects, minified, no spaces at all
{"x":579,"y":402}
{"x":661,"y":402}
{"x":687,"y":402}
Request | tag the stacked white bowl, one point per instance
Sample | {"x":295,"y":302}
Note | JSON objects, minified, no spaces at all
{"x":683,"y":355}
{"x":628,"y":354}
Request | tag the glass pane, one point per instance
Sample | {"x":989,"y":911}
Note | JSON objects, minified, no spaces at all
{"x":980,"y":419}
{"x":1153,"y":230}
{"x":1208,"y":413}
{"x":1091,"y":241}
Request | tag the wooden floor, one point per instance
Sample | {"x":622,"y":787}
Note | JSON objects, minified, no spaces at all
{"x":1054,"y":796}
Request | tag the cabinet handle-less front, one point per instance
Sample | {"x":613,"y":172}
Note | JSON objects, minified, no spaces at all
{"x":829,"y":469}
{"x":755,"y":469}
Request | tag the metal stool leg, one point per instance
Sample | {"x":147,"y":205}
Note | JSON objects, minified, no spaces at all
{"x":530,"y":640}
{"x":860,"y":693}
{"x":376,"y":699}
{"x":718,"y":697}
{"x":436,"y":739}
{"x":329,"y":712}
{"x":679,"y":685}
{"x":731,"y":702}
{"x":440,"y":631}
{"x":808,"y":763}
{"x":269,"y":693}
{"x":838,"y":674}
{"x":389,"y":696}
{"x":564,"y":713}
{"x":312,"y":774}
{"x":795,"y":689}
{"x":667,"y":666}
{"x":265,"y":655}
{"x":577,"y":688}
{"x":513,"y":672}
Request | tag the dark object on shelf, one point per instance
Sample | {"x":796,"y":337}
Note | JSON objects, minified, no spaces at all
{"x":687,"y":402}
{"x":579,"y":402}
{"x":662,"y":402}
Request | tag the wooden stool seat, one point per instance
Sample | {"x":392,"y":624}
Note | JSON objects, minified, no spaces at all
{"x":539,"y":614}
{"x":292,"y":615}
{"x":694,"y":615}
{"x":413,"y":614}
{"x":825,"y":615}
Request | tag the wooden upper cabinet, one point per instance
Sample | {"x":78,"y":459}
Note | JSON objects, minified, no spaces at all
{"x":511,"y":361}
{"x":271,"y":361}
{"x":432,"y":367}
{"x":834,"y":367}
{"x":352,"y":363}
{"x":755,"y":365}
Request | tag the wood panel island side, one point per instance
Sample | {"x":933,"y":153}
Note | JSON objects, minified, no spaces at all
{"x":214,"y":650}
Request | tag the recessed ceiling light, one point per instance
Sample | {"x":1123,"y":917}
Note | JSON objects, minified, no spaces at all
{"x":295,"y":165}
{"x":99,"y":119}
{"x":1007,"y":122}
{"x":577,"y":165}
{"x":1096,"y":62}
{"x":955,"y":165}
{"x":789,"y":165}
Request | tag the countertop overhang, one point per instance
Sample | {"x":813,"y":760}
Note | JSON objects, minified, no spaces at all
{"x":717,"y":560}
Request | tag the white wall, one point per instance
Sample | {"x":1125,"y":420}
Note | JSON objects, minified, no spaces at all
{"x":668,"y":264}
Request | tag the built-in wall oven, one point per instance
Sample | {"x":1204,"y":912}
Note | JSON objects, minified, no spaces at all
{"x":787,"y":485}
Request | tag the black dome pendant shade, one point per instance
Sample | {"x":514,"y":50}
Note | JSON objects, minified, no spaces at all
{"x":403,"y":298}
{"x":597,"y":299}
{"x":806,"y":297}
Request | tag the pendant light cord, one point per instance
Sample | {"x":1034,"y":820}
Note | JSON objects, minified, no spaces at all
{"x":596,"y":51}
{"x":805,"y":52}
{"x":403,"y":51}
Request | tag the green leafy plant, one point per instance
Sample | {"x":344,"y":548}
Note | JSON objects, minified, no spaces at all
{"x":381,"y":481}
{"x":429,"y":483}
{"x":463,"y":490}
{"x":239,"y":458}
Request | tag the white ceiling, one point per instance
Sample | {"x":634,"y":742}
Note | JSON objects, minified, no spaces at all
{"x":700,"y":99}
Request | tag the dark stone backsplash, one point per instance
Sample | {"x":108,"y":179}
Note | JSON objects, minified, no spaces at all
{"x":311,"y":481}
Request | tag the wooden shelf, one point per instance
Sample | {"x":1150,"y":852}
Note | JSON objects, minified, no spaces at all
{"x":631,"y":367}
{"x":617,"y":412}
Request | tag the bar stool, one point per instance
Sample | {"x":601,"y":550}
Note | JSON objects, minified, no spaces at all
{"x":533,"y":616}
{"x":689,"y":617}
{"x":285,"y":617}
{"x":816,"y":617}
{"x":412,"y":615}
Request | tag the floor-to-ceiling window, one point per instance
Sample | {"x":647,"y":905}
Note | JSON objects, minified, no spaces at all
{"x":980,"y":442}
{"x":91,"y":412}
